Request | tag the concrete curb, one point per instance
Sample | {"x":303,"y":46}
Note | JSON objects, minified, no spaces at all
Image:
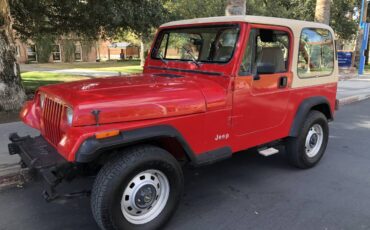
{"x":12,"y":175}
{"x":348,"y":77}
{"x":353,"y":99}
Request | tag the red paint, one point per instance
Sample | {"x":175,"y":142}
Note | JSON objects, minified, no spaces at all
{"x":198,"y":105}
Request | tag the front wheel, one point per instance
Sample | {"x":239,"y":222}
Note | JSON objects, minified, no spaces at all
{"x":306,"y":150}
{"x":137,"y":189}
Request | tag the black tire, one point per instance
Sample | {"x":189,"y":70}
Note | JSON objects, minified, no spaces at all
{"x":295,"y":146}
{"x":114,"y":177}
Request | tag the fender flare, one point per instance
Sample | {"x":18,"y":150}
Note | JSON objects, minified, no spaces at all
{"x":303,"y":110}
{"x":92,"y":148}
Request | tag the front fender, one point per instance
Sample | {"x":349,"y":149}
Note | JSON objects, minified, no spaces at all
{"x":92,"y":148}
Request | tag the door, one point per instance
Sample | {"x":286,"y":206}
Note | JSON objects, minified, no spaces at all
{"x":262,"y":86}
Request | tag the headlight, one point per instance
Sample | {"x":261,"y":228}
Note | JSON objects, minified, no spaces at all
{"x":42,"y":100}
{"x":69,"y":114}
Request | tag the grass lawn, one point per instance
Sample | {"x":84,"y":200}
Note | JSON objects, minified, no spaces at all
{"x":33,"y":78}
{"x":86,"y":65}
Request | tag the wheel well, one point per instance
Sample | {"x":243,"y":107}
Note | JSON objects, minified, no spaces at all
{"x":325,"y":109}
{"x":318,"y":103}
{"x":170,"y":144}
{"x":173,"y":146}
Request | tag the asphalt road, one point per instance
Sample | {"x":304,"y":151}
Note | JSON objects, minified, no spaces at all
{"x":245,"y":192}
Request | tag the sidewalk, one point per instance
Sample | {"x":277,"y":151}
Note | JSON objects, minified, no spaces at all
{"x":350,"y":90}
{"x":355,"y":88}
{"x":9,"y":167}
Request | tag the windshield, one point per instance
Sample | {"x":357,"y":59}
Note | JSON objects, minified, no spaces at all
{"x":200,"y":44}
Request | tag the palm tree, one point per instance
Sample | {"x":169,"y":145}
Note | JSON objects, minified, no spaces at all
{"x":11,"y":91}
{"x":235,"y":7}
{"x":322,"y":13}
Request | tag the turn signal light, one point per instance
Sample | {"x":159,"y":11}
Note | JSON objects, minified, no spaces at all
{"x":107,"y":134}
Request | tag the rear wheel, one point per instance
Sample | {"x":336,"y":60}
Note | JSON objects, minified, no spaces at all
{"x":306,"y":150}
{"x":138,"y":189}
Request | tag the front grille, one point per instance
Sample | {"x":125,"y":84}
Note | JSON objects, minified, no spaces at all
{"x":52,"y":115}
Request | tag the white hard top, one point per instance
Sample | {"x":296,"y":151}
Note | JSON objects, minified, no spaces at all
{"x":295,"y":25}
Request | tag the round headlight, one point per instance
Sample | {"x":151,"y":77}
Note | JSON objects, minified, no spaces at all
{"x":69,"y":114}
{"x":42,"y":100}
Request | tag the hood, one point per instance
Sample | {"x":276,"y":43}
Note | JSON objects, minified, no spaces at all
{"x":129,"y":98}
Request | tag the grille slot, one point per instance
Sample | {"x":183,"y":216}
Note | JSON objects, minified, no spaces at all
{"x":52,"y":115}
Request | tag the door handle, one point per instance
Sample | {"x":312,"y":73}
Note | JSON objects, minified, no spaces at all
{"x":283,"y":82}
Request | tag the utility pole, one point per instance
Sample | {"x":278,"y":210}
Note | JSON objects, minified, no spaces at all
{"x":364,"y":35}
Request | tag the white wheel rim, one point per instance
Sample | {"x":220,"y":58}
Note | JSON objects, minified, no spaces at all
{"x":314,"y":140}
{"x":145,"y":196}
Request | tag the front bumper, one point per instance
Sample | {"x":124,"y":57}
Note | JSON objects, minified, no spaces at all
{"x":39,"y":156}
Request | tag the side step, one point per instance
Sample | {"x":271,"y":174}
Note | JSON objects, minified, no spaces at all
{"x":267,"y":151}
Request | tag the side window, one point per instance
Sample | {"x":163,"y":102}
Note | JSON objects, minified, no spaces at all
{"x":267,"y":52}
{"x":316,"y":53}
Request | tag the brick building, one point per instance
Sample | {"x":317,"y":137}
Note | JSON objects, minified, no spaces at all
{"x":100,"y":50}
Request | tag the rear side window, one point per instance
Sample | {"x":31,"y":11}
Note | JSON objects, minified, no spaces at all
{"x":316,"y":53}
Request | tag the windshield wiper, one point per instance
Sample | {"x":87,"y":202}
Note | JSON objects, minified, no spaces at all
{"x":190,"y":53}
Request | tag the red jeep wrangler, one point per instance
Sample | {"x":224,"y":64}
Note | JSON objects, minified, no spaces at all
{"x":210,"y":87}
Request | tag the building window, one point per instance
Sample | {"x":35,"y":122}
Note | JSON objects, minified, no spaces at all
{"x":78,"y":53}
{"x":17,"y":51}
{"x":316,"y":53}
{"x":56,"y":53}
{"x":31,"y":53}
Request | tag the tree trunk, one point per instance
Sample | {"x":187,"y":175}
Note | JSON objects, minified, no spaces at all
{"x":322,"y":13}
{"x":142,"y":51}
{"x":235,"y":7}
{"x":12,"y":93}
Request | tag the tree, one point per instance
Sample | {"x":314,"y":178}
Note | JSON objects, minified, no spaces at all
{"x":12,"y":93}
{"x":143,"y":21}
{"x":90,"y":19}
{"x":235,"y":7}
{"x":187,"y":9}
{"x":322,"y":12}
